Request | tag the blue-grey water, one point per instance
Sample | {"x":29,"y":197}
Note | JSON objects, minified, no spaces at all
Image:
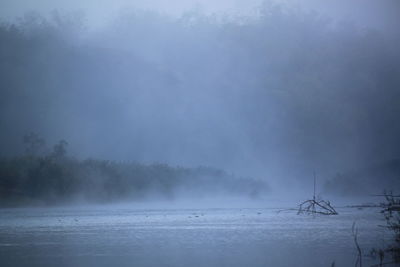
{"x":94,"y":236}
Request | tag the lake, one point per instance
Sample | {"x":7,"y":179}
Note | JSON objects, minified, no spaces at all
{"x":121,"y":236}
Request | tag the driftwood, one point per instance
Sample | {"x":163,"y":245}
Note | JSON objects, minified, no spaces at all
{"x":314,"y":206}
{"x":317,"y":207}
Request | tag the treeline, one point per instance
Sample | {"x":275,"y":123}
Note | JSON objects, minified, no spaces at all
{"x":282,"y":91}
{"x":48,"y":178}
{"x":366,"y":181}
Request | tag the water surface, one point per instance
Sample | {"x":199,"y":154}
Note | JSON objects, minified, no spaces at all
{"x":184,"y":237}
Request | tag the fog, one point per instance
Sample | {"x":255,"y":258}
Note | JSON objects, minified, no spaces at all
{"x":366,"y":13}
{"x":187,"y":133}
{"x":274,"y":95}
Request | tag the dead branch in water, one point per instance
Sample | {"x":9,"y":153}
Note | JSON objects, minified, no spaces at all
{"x":317,"y":207}
{"x":314,"y":206}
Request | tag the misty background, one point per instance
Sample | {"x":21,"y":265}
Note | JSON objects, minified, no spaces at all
{"x":273,"y":94}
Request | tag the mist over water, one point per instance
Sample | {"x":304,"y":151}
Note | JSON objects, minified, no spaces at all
{"x":184,"y":134}
{"x":273,"y":96}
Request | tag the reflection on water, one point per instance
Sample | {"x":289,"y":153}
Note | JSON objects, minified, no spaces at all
{"x":201,"y":237}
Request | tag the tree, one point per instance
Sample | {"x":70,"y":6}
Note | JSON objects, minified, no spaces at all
{"x":34,"y":144}
{"x":60,"y":149}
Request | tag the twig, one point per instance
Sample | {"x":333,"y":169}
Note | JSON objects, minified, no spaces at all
{"x":354,"y":231}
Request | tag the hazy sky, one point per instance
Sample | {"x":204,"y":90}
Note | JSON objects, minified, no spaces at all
{"x":274,"y":99}
{"x":380,"y":14}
